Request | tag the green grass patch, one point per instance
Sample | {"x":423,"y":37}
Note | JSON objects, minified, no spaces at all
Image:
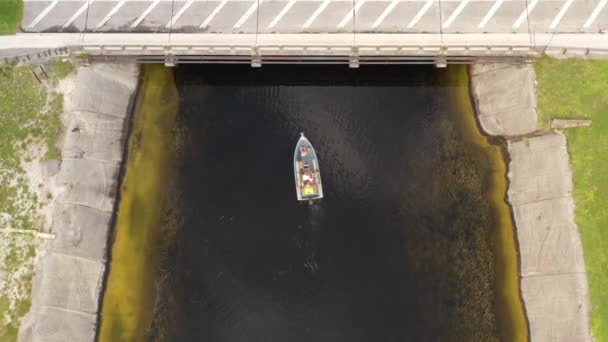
{"x":30,"y":120}
{"x":51,"y":124}
{"x":30,"y":115}
{"x":5,"y":304}
{"x":23,"y":306}
{"x":11,"y":12}
{"x":577,"y":89}
{"x":61,"y":69}
{"x":9,"y":333}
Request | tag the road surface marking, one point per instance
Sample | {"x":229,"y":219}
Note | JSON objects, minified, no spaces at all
{"x":216,"y":10}
{"x":179,"y":14}
{"x":490,"y":13}
{"x":386,"y":12}
{"x":420,"y":13}
{"x":595,"y":13}
{"x":282,"y":13}
{"x":560,"y":15}
{"x":456,"y":12}
{"x":111,"y":13}
{"x":43,"y":13}
{"x":350,"y":13}
{"x":145,"y":14}
{"x":524,"y":15}
{"x":314,"y":16}
{"x":249,"y":12}
{"x":78,"y":13}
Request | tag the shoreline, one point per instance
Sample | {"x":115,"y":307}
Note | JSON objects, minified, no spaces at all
{"x":501,"y":142}
{"x":131,"y":284}
{"x":553,"y":282}
{"x":511,"y":312}
{"x":128,"y":127}
{"x":68,"y":273}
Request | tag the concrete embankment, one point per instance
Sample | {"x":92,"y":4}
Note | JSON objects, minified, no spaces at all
{"x":70,"y":270}
{"x":552,"y":270}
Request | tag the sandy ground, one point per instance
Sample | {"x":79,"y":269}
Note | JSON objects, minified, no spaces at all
{"x":552,"y":270}
{"x":39,"y":177}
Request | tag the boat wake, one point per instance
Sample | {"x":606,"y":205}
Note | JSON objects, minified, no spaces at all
{"x":316,"y":213}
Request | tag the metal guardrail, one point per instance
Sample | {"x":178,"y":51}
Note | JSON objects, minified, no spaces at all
{"x":361,"y":54}
{"x":308,"y":54}
{"x":557,"y":51}
{"x":311,"y":54}
{"x":304,"y":50}
{"x":311,"y":59}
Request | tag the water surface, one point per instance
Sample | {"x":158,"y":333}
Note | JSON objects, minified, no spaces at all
{"x":406,"y":246}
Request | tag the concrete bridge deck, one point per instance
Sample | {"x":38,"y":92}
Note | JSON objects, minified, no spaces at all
{"x":317,"y":16}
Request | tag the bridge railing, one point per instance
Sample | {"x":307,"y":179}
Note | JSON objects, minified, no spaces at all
{"x":299,"y":53}
{"x":362,"y":54}
{"x":354,"y":55}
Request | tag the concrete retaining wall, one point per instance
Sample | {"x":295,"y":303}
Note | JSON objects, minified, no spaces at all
{"x":69,"y":274}
{"x":553,"y":278}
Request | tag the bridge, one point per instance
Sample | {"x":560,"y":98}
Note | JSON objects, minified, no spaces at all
{"x":307,"y":31}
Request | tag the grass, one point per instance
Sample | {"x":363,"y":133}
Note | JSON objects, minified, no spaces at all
{"x":61,"y":69}
{"x":16,"y":271}
{"x":128,"y":302}
{"x":11,"y":12}
{"x":30,"y":123}
{"x":30,"y":116}
{"x":576,"y":89}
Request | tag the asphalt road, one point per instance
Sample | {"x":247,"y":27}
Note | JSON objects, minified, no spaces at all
{"x":327,"y":16}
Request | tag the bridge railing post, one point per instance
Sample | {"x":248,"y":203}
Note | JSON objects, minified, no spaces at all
{"x":441,"y":59}
{"x":170,"y":58}
{"x":256,"y":57}
{"x":353,"y":60}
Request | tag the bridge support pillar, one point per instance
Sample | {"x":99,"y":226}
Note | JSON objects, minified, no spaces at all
{"x":256,"y":58}
{"x":353,"y":60}
{"x":441,"y":61}
{"x":170,"y":61}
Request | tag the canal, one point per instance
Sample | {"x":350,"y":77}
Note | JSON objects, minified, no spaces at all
{"x":413,"y":241}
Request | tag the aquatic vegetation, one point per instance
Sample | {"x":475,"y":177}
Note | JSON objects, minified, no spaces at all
{"x":141,"y":228}
{"x":466,"y":235}
{"x":577,"y":89}
{"x":492,"y":157}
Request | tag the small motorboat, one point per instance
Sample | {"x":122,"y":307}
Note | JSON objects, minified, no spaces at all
{"x":306,"y":169}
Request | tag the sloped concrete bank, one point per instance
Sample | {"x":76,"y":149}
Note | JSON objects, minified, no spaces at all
{"x":552,"y":270}
{"x":69,"y":273}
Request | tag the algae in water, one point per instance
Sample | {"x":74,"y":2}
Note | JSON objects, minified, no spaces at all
{"x":142,"y":225}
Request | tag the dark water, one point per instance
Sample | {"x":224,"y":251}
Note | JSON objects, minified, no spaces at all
{"x":397,"y":251}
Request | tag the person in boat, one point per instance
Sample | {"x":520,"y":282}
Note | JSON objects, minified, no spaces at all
{"x":307,"y":177}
